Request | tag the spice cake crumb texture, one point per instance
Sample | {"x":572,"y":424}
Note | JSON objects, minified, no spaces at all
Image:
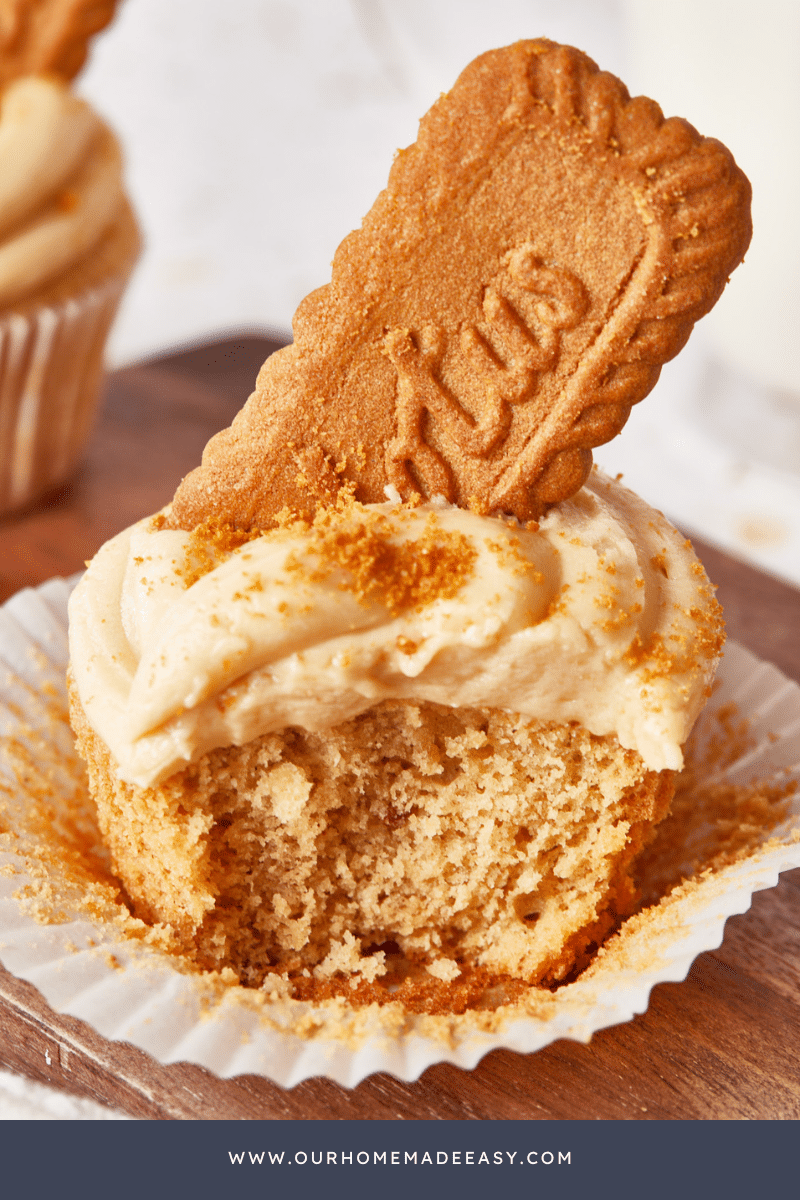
{"x":413,"y":841}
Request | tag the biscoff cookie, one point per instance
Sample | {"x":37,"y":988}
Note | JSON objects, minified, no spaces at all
{"x":540,"y":251}
{"x":48,"y":36}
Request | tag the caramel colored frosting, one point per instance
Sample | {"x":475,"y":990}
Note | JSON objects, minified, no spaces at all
{"x":183,"y":642}
{"x":60,"y":184}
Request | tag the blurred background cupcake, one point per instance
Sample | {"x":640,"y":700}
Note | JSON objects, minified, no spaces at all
{"x":68,"y":242}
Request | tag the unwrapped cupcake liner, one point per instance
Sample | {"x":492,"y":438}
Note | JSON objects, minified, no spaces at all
{"x":51,"y":370}
{"x":130,"y":992}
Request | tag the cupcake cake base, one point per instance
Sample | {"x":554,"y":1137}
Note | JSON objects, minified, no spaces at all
{"x":441,"y":852}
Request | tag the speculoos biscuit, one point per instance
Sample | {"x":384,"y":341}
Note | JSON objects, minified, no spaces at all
{"x":539,"y":252}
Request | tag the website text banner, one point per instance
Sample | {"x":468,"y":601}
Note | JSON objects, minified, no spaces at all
{"x":295,"y":1159}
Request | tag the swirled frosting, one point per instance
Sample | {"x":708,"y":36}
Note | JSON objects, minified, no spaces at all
{"x":60,"y":183}
{"x":602,"y":615}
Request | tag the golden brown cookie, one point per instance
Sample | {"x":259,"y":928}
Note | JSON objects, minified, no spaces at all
{"x":38,"y":36}
{"x":539,"y":252}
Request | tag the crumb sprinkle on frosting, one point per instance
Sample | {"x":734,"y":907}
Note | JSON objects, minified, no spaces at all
{"x":402,"y":575}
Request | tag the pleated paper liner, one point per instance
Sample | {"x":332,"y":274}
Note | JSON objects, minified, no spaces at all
{"x":51,"y":372}
{"x":736,"y":825}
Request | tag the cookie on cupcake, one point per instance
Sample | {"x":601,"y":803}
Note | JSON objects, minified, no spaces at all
{"x":387,"y":702}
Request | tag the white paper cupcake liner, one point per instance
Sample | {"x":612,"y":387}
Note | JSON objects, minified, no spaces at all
{"x":51,"y":366}
{"x":140,"y":996}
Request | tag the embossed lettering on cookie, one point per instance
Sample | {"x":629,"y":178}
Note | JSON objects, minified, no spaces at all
{"x":539,"y":252}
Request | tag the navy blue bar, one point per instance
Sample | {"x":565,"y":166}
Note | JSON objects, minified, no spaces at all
{"x":583,"y":1160}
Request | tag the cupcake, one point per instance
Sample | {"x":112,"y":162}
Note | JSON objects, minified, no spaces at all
{"x":68,"y":242}
{"x":388,"y":700}
{"x":391,"y":733}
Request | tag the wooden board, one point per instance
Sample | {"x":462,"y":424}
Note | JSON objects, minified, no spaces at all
{"x":722,"y":1045}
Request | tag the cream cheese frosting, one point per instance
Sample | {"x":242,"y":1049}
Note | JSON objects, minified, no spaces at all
{"x":602,"y":615}
{"x":60,"y":183}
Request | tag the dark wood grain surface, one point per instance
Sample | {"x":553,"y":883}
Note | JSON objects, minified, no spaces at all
{"x":724,"y":1044}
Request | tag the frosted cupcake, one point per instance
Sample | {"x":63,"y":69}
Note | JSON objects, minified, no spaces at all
{"x":388,"y":701}
{"x":393,"y":740}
